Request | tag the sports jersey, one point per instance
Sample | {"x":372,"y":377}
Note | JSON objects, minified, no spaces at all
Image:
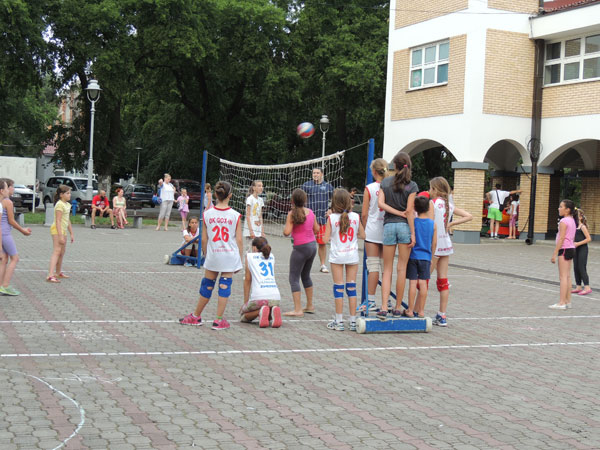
{"x":256,"y":204}
{"x":374,"y":228}
{"x":444,"y":243}
{"x":344,"y":247}
{"x":222,"y":252}
{"x":264,"y":286}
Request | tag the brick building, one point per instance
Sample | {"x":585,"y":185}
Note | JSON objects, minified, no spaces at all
{"x":461,"y":75}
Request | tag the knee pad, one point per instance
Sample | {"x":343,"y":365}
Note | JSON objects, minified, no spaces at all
{"x":373,"y":264}
{"x":442,"y":284}
{"x":351,"y":289}
{"x":338,"y":291}
{"x":207,"y":287}
{"x":225,"y":287}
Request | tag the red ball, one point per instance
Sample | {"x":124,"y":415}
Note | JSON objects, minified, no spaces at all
{"x":305,"y":130}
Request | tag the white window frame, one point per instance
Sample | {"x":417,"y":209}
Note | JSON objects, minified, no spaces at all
{"x":423,"y":66}
{"x":563,"y":60}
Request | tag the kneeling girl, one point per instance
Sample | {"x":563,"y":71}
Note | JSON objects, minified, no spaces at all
{"x":261,"y":295}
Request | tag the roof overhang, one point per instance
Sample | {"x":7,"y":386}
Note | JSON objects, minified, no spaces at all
{"x":563,"y":24}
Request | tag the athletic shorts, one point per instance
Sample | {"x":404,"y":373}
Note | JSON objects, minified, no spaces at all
{"x":255,"y":305}
{"x":513,"y":221}
{"x":321,"y":234}
{"x":396,"y":233}
{"x":494,"y":213}
{"x":567,"y":253}
{"x":8,"y":245}
{"x":418,"y":269}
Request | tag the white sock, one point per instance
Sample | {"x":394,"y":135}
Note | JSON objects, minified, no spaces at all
{"x":352,"y":319}
{"x":443,"y":314}
{"x":371,"y":298}
{"x":339,"y":318}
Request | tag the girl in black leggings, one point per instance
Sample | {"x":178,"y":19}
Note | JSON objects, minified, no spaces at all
{"x":582,"y":237}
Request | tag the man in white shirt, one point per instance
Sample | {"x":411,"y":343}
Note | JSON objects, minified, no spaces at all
{"x":496,"y":197}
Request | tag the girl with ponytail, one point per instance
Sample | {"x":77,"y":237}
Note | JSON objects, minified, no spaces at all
{"x":343,"y":228}
{"x":261,"y":296}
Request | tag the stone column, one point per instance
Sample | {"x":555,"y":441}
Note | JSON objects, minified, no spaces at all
{"x":542,"y":202}
{"x":590,"y":200}
{"x":469,"y":189}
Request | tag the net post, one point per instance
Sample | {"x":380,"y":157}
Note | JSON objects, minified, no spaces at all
{"x":201,"y":221}
{"x":365,"y":281}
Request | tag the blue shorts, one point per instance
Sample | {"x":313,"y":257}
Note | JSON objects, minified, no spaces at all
{"x":396,"y":233}
{"x":418,"y":269}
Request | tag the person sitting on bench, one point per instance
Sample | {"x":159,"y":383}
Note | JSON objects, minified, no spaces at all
{"x":101,"y":205}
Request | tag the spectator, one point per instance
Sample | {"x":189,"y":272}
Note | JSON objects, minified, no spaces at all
{"x":120,"y":208}
{"x":167,"y":195}
{"x":207,"y":197}
{"x":319,"y":194}
{"x":101,"y":206}
{"x":496,"y":197}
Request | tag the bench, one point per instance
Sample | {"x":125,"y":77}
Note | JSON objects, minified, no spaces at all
{"x":86,"y":207}
{"x":20,"y":215}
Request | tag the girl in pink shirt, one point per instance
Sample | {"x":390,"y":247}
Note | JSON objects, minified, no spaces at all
{"x":565,"y":251}
{"x":303,"y":227}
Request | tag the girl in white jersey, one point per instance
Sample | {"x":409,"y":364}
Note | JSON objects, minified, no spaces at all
{"x":222,"y":245}
{"x":372,"y":220}
{"x":254,"y":205}
{"x":261,"y":296}
{"x":443,"y":210}
{"x":344,"y":229}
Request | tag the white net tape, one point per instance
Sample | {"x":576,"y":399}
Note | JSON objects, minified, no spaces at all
{"x":279,"y":181}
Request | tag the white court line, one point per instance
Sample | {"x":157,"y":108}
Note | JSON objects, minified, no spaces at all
{"x":302,"y":350}
{"x":121,"y":272}
{"x":77,"y":405}
{"x":38,"y":322}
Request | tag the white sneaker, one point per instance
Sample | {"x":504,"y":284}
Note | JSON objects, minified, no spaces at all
{"x":557,"y":306}
{"x":324,"y":269}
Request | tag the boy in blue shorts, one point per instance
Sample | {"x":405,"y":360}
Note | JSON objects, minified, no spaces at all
{"x":419,"y":264}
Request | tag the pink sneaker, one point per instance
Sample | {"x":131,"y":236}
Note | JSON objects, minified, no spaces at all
{"x":589,"y":291}
{"x":220,"y":324}
{"x":276,"y":317}
{"x":263,"y":317}
{"x":190,"y":319}
{"x":576,"y":291}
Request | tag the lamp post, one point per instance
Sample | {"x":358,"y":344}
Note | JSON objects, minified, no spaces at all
{"x":534,"y":154}
{"x":93,"y":95}
{"x":137,"y":171}
{"x":324,"y":125}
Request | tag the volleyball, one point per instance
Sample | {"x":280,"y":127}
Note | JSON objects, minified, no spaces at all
{"x":305,"y":130}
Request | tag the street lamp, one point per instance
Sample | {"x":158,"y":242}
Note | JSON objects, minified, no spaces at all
{"x":324,"y":125}
{"x":137,"y":172}
{"x":93,"y":95}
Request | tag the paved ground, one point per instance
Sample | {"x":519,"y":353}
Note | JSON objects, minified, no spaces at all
{"x":99,"y":361}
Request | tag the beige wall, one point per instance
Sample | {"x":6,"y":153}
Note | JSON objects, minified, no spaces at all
{"x":433,"y":101}
{"x":590,"y":192}
{"x":571,"y":99}
{"x":509,"y":59}
{"x":523,"y":6}
{"x":409,"y":12}
{"x":468,"y":195}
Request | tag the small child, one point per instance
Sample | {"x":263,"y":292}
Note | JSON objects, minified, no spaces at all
{"x":513,"y":212}
{"x":10,"y":258}
{"x":261,"y":295}
{"x":191,"y":232}
{"x":183,"y":207}
{"x":58,"y":231}
{"x":343,"y":228}
{"x":207,"y":197}
{"x":565,"y":251}
{"x":222,"y":245}
{"x":418,"y":270}
{"x":253,"y":220}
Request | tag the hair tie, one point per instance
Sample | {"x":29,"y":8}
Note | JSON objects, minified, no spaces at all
{"x":346,"y":211}
{"x":405,"y":165}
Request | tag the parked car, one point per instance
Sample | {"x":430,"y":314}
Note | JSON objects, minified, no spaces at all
{"x":141,"y":193}
{"x":195,"y":191}
{"x":25,"y":194}
{"x":357,"y":204}
{"x":78,"y":188}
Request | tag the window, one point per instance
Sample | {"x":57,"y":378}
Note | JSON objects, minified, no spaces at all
{"x":572,"y":60}
{"x":429,"y":65}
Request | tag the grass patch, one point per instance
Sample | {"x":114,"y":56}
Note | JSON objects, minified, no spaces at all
{"x":39,"y":217}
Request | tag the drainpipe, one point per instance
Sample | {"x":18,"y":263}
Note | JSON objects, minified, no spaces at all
{"x":534,"y":145}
